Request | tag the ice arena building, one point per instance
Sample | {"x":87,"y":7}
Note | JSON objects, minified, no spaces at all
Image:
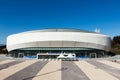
{"x":50,"y":43}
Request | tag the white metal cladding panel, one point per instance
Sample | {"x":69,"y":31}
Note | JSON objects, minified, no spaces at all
{"x":62,"y":44}
{"x":58,"y":36}
{"x":55,"y":44}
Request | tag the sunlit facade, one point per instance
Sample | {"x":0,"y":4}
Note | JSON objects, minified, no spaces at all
{"x":49,"y":43}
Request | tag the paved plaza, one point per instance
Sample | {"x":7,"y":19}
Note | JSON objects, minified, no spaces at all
{"x":11,"y":69}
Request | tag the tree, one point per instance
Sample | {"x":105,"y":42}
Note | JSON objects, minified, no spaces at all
{"x":116,"y":42}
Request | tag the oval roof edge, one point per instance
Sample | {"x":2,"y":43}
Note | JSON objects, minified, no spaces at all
{"x":59,"y":30}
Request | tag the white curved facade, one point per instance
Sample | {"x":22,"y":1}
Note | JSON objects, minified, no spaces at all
{"x":59,"y":38}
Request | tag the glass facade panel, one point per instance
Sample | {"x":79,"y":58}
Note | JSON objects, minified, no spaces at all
{"x":80,"y":52}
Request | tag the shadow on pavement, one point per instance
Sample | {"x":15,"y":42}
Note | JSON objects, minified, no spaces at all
{"x":62,"y":69}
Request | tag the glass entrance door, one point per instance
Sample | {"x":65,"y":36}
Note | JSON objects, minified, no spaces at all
{"x":93,"y":55}
{"x":20,"y":55}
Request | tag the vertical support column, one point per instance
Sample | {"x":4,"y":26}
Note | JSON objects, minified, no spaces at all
{"x":37,"y":56}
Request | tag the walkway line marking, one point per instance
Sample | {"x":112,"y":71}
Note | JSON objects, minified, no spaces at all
{"x":4,"y":73}
{"x":6,"y":61}
{"x":113,"y":64}
{"x":51,"y":71}
{"x":94,"y":73}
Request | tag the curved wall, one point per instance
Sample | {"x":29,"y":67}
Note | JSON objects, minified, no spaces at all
{"x":58,"y":39}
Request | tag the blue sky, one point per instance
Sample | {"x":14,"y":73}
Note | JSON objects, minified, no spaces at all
{"x":25,"y":15}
